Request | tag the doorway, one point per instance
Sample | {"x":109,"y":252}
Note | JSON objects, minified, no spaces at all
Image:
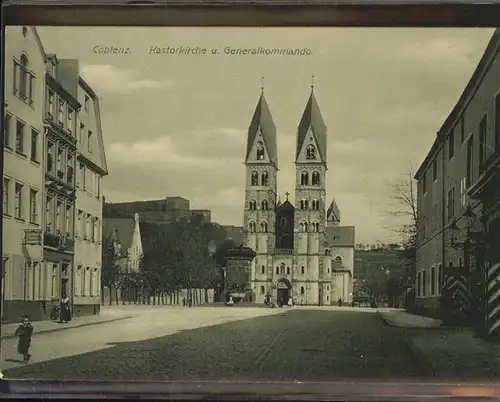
{"x":283,"y":288}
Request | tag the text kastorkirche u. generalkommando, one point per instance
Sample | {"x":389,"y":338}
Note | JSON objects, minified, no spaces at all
{"x":230,"y":51}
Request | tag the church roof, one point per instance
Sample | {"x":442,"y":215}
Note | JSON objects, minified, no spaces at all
{"x":119,"y":230}
{"x":333,"y":212}
{"x":287,"y":205}
{"x":263,"y":119}
{"x":341,"y":236}
{"x":312,"y":118}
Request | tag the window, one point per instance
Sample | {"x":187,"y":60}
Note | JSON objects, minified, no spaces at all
{"x":255,"y":179}
{"x":58,"y":217}
{"x":262,"y":290}
{"x":304,"y":178}
{"x":314,"y":205}
{"x":23,"y":78}
{"x":264,"y":205}
{"x":424,"y":283}
{"x":252,"y":205}
{"x":86,"y":104}
{"x":424,"y":183}
{"x":20,"y":136}
{"x":34,"y":145}
{"x":18,"y":203}
{"x":482,"y":141}
{"x":311,"y":152}
{"x":61,"y":111}
{"x":303,"y":226}
{"x":88,"y":227}
{"x":302,"y":270}
{"x":53,"y":287}
{"x":263,"y":269}
{"x":89,"y":141}
{"x":70,"y":171}
{"x":70,"y":120}
{"x":33,"y":205}
{"x":84,"y":281}
{"x":98,"y":195}
{"x":49,"y":214}
{"x":451,"y":145}
{"x":277,"y":270}
{"x":315,"y":179}
{"x":315,"y":226}
{"x":263,"y":227}
{"x":462,"y":129}
{"x":251,"y":226}
{"x":91,"y":282}
{"x":51,"y":104}
{"x":440,"y":278}
{"x":470,"y":160}
{"x":68,"y":226}
{"x":434,"y":170}
{"x":260,"y":150}
{"x":338,"y":259}
{"x":6,"y":131}
{"x":433,"y":281}
{"x":6,"y":196}
{"x":451,"y":203}
{"x":283,"y":222}
{"x":50,"y":157}
{"x":82,"y":130}
{"x":419,"y":284}
{"x":302,"y":290}
{"x":288,"y":270}
{"x":497,"y":122}
{"x":80,"y":228}
{"x":265,"y":179}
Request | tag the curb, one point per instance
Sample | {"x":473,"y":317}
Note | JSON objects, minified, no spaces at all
{"x":416,"y":355}
{"x":87,"y":324}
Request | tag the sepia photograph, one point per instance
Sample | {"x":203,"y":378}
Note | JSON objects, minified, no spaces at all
{"x":251,"y":204}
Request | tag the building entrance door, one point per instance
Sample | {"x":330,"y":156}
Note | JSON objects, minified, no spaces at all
{"x":283,"y":288}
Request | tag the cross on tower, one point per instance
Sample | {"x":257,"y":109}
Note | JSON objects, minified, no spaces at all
{"x":262,"y":83}
{"x":312,"y":82}
{"x":287,"y":194}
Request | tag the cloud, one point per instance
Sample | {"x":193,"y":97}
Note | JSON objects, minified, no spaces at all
{"x":108,"y":77}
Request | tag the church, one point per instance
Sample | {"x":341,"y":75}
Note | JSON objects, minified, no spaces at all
{"x":302,"y":251}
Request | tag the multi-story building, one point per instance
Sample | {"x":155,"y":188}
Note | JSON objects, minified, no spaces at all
{"x":458,"y":195}
{"x":168,"y":210}
{"x":87,"y":164}
{"x":27,"y":280}
{"x":302,"y":252}
{"x":61,"y":108}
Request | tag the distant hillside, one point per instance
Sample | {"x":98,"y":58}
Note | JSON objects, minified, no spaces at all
{"x":368,"y":261}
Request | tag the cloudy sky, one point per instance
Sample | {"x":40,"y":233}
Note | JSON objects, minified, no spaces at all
{"x":176,"y":125}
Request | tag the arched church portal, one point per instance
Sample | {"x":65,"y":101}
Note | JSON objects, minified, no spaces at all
{"x":284,"y":291}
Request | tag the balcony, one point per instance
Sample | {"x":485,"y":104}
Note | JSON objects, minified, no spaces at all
{"x":59,"y":242}
{"x":32,"y":237}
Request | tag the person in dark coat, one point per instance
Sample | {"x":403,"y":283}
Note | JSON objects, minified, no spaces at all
{"x":190,"y":302}
{"x":183,"y":302}
{"x":65,"y":312}
{"x":24,"y":332}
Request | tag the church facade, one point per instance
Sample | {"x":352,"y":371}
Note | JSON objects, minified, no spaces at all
{"x":302,"y":251}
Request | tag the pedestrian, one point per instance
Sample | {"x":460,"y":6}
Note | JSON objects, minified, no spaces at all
{"x":65,"y":312}
{"x":24,"y":332}
{"x":290,"y":302}
{"x":183,"y":302}
{"x":339,"y":301}
{"x":190,"y":302}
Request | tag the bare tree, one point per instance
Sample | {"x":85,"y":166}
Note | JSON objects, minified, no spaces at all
{"x":404,"y":207}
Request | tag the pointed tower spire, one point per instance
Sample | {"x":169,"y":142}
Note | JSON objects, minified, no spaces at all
{"x":312,"y":123}
{"x":262,"y":123}
{"x":312,"y":83}
{"x":262,"y":85}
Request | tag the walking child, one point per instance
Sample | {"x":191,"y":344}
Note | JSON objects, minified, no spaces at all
{"x":24,"y":332}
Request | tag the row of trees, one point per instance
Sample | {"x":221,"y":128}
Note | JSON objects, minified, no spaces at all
{"x":175,"y":256}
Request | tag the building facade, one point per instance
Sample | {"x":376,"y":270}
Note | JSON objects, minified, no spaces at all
{"x":296,"y":254}
{"x":26,"y":279}
{"x":165,"y":211}
{"x":456,"y":212}
{"x":41,"y":151}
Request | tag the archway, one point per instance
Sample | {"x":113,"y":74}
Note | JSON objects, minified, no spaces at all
{"x":284,"y":291}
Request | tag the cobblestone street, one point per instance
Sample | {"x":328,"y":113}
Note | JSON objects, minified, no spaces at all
{"x":222,"y":344}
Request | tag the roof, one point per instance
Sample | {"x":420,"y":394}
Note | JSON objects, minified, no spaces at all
{"x":122,"y":228}
{"x":468,"y":93}
{"x":263,"y":119}
{"x":333,"y":212}
{"x":312,"y":118}
{"x":341,"y":235}
{"x":337,"y":266}
{"x":286,"y":206}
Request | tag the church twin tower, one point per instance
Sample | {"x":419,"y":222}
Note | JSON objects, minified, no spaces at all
{"x":289,"y":239}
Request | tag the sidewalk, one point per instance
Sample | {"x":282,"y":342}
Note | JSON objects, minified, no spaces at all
{"x":107,"y":314}
{"x":402,"y":319}
{"x":446,"y":352}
